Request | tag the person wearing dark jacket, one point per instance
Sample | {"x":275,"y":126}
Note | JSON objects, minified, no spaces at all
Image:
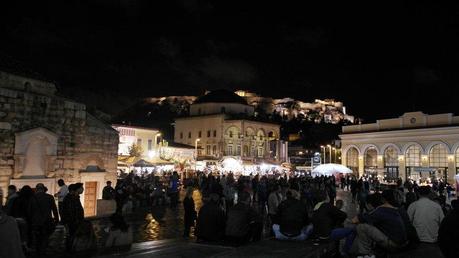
{"x":243,"y":223}
{"x":190,"y":212}
{"x":10,"y":240}
{"x":293,"y":217}
{"x":326,"y":217}
{"x":73,"y":212}
{"x":42,"y":224}
{"x":21,"y":211}
{"x":210,"y":224}
{"x":448,"y":232}
{"x":383,"y":226}
{"x":108,"y":193}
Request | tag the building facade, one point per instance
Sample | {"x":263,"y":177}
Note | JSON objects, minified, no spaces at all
{"x":220,"y":125}
{"x":414,"y":146}
{"x":148,"y":139}
{"x":153,"y":147}
{"x":44,"y":138}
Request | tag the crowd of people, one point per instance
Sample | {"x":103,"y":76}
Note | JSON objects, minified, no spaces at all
{"x":390,"y":218}
{"x":242,"y":209}
{"x":30,"y":216}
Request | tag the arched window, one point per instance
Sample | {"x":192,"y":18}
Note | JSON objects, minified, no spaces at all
{"x":438,"y":156}
{"x":371,"y":157}
{"x":231,"y":134}
{"x":391,"y":157}
{"x":413,"y":156}
{"x":352,"y":158}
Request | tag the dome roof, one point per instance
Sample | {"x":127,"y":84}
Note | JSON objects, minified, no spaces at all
{"x":220,"y":96}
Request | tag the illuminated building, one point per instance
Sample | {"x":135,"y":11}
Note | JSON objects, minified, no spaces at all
{"x":225,"y":126}
{"x":416,"y":146}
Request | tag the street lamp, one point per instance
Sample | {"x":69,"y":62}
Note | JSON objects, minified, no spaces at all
{"x":329,"y":146}
{"x":334,"y":151}
{"x":196,"y":153}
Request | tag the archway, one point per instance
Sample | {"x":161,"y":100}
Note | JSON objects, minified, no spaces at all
{"x":371,"y":162}
{"x":352,"y":159}
{"x":438,"y":161}
{"x":391,"y":168}
{"x":412,"y":160}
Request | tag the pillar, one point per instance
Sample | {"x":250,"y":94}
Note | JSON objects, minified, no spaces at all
{"x":380,"y":165}
{"x":361,"y":165}
{"x":451,"y":170}
{"x":401,"y":167}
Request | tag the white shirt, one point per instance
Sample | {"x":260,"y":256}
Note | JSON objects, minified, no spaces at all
{"x":426,"y":216}
{"x":63,"y":191}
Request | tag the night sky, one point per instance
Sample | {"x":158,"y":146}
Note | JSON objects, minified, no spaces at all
{"x":380,"y":60}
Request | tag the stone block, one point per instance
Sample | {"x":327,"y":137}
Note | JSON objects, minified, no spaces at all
{"x":105,"y":208}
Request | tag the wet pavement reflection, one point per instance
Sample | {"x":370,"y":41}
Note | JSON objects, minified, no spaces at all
{"x":148,"y":224}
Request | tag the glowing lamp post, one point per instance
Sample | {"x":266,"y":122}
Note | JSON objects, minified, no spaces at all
{"x":196,"y":153}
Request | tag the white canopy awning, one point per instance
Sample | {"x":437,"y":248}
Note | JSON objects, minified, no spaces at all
{"x":330,"y":169}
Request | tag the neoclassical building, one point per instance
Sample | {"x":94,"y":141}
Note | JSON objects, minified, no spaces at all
{"x":224,"y":124}
{"x":415,"y":145}
{"x":44,"y":137}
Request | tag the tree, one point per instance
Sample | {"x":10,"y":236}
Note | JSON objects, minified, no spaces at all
{"x":135,"y":150}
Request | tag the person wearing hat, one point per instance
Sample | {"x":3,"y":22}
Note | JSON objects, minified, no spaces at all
{"x":43,"y":225}
{"x":73,"y":212}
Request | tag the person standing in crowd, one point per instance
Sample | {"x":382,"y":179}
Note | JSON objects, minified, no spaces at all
{"x":10,"y":239}
{"x":173,"y":190}
{"x":448,"y":232}
{"x":353,"y":189}
{"x":210,"y":224}
{"x":43,"y":225}
{"x":293,"y":219}
{"x":190,"y":211}
{"x":63,"y":191}
{"x":274,"y":199}
{"x":426,"y":216}
{"x":23,"y":214}
{"x":243,"y":222}
{"x":109,"y":192}
{"x":73,"y":212}
{"x":12,"y":195}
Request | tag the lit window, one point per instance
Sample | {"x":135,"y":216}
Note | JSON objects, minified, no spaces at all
{"x":352,"y":158}
{"x":438,"y":156}
{"x":391,"y":157}
{"x":413,"y":156}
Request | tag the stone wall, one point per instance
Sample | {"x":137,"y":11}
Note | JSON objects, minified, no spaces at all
{"x":82,"y":139}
